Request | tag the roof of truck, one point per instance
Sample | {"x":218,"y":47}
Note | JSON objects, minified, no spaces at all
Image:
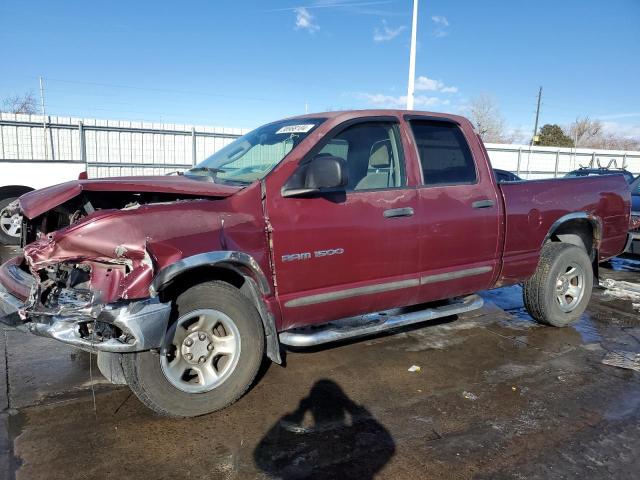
{"x":348,"y":114}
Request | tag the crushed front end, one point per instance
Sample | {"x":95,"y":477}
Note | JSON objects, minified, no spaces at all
{"x":75,"y":283}
{"x":62,"y":305}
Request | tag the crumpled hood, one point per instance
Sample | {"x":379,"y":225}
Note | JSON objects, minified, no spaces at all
{"x":37,"y":202}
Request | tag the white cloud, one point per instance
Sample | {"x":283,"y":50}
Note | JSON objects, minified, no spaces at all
{"x":442,"y":24}
{"x":622,"y":129}
{"x":390,"y":101}
{"x":429,"y":84}
{"x":440,"y":20}
{"x":384,"y":33}
{"x":613,"y":116}
{"x":449,"y":90}
{"x":304,"y":20}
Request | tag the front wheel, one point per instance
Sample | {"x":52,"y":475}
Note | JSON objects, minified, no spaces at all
{"x":212,"y":354}
{"x":560,"y":289}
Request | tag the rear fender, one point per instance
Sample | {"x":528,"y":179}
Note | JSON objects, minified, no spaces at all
{"x":594,"y":221}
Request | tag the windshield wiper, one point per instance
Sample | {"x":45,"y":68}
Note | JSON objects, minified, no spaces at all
{"x":233,"y":181}
{"x":206,"y":169}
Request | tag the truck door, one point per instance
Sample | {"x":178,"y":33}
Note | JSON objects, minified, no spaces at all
{"x":342,"y":254}
{"x":459,"y":212}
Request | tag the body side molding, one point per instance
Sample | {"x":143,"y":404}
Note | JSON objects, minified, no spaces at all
{"x":443,"y":277}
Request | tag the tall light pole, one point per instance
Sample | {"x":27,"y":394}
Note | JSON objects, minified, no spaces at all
{"x":412,"y":58}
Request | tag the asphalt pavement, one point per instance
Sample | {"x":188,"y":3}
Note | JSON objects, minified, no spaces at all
{"x":495,"y":396}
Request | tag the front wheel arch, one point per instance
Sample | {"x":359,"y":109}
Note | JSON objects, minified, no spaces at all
{"x":232,"y":275}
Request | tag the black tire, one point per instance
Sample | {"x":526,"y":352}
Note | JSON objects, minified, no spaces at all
{"x":5,"y":238}
{"x":539,"y":292}
{"x":148,"y":382}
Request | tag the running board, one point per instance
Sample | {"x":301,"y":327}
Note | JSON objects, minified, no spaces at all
{"x":373,"y":323}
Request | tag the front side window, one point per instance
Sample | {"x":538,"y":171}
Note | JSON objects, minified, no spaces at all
{"x":372,"y":153}
{"x":255,"y":154}
{"x":444,"y":153}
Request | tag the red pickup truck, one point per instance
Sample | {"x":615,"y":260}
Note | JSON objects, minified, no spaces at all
{"x":307,"y":230}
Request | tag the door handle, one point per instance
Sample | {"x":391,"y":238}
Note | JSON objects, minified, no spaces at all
{"x":483,"y":204}
{"x":398,"y":212}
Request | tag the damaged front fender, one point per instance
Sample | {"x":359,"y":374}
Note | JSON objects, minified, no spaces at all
{"x":115,"y":271}
{"x":92,"y":293}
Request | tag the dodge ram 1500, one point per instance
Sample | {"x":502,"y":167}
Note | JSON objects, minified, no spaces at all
{"x":307,"y":230}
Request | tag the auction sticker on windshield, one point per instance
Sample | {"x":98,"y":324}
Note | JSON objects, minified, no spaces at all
{"x":304,"y":128}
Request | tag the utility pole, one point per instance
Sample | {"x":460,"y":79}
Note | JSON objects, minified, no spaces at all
{"x":535,"y":128}
{"x":412,"y":58}
{"x":44,"y":120}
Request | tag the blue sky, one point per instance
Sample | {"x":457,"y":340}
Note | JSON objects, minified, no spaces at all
{"x":245,"y":63}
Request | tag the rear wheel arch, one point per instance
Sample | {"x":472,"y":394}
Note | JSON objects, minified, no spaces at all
{"x":580,"y":229}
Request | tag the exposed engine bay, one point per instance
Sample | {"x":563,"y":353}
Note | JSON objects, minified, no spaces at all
{"x":71,"y":211}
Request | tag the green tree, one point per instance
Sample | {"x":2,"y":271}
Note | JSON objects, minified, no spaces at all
{"x":552,"y":135}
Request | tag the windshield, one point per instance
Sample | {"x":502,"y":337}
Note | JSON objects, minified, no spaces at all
{"x":255,"y":154}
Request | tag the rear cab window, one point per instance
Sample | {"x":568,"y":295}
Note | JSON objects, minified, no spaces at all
{"x":444,"y":154}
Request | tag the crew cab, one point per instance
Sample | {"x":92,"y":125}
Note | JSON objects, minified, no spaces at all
{"x":305,"y":231}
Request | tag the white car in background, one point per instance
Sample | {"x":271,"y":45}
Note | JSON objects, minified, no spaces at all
{"x":20,"y":177}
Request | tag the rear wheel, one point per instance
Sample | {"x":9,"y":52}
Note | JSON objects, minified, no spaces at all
{"x":213,"y":352}
{"x":560,"y":289}
{"x":10,"y":225}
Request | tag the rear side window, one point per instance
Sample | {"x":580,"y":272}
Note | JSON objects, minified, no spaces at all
{"x":444,"y":154}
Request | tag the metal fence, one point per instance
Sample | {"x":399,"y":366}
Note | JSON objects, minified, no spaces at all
{"x":543,"y":162}
{"x":108,"y":147}
{"x":114,"y":148}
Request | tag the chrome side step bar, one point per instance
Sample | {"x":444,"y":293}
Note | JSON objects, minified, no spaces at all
{"x":373,"y":323}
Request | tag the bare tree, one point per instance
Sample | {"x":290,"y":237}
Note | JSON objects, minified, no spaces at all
{"x":588,"y":133}
{"x":20,"y":104}
{"x":488,"y":120}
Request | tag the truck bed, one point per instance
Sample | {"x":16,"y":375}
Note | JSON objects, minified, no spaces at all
{"x":532,"y":207}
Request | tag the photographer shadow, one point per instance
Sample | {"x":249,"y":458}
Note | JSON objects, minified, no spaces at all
{"x":327,"y":436}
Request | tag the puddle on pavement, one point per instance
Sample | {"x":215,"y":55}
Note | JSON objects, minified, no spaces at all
{"x":587,"y":330}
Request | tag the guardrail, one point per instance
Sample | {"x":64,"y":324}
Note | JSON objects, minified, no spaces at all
{"x":114,"y":148}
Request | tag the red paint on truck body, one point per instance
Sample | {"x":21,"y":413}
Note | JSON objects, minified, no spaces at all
{"x":416,"y":254}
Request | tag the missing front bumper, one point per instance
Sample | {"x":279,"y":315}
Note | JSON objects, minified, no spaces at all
{"x":142,"y":325}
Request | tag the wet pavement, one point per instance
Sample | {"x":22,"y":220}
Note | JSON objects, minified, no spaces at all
{"x":496,"y":396}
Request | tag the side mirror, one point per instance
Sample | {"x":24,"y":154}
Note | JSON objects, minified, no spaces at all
{"x":324,"y":174}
